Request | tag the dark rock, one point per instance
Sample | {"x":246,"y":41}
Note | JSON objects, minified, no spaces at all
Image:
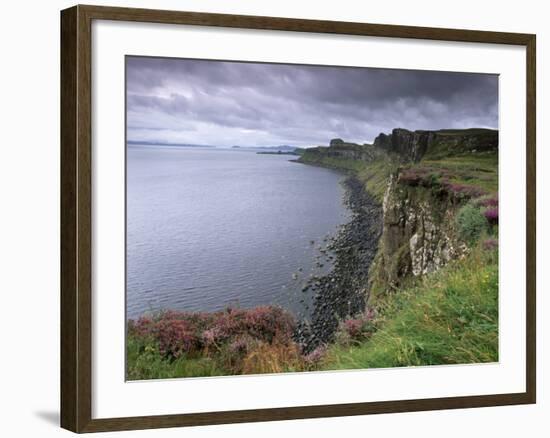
{"x":341,"y":293}
{"x":411,"y":146}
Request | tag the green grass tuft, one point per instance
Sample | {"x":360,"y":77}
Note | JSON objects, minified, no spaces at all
{"x":144,"y":362}
{"x":450,"y":317}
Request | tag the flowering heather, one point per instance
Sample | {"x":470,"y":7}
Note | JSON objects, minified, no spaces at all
{"x":462,"y":190}
{"x":440,"y":179}
{"x":241,"y":345}
{"x":412,"y":177}
{"x":419,"y":176}
{"x":353,"y":327}
{"x":359,"y":328}
{"x":491,"y":214}
{"x":490,"y":244}
{"x":487,"y":202}
{"x":316,"y":355}
{"x":212,"y":337}
{"x":177,"y":333}
{"x":176,"y":337}
{"x":268,"y":323}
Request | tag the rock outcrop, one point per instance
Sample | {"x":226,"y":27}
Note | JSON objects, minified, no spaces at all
{"x":409,"y":146}
{"x":412,"y":146}
{"x":418,"y":235}
{"x":341,"y":149}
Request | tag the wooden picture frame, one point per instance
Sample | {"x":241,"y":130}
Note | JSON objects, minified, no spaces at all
{"x":76,"y":217}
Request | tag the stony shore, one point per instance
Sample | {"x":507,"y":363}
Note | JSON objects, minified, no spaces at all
{"x":342,"y":293}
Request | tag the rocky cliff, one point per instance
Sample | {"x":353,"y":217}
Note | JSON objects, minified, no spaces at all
{"x":413,"y":146}
{"x":407,"y":146}
{"x":341,"y":149}
{"x":419,"y":233}
{"x":426,"y":177}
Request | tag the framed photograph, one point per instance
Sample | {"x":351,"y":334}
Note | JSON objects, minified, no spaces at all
{"x":269,"y":218}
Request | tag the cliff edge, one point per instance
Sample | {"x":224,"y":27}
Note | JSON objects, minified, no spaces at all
{"x":424,"y":180}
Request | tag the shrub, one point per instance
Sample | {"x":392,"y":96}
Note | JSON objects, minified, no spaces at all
{"x":441,"y":180}
{"x":241,"y":345}
{"x":419,"y":176}
{"x":490,"y":244}
{"x":465,"y":191}
{"x":197,"y":333}
{"x":356,"y":329}
{"x":411,"y":177}
{"x":470,"y":223}
{"x":491,"y":214}
{"x":487,"y":201}
{"x":316,"y":356}
{"x":176,"y":337}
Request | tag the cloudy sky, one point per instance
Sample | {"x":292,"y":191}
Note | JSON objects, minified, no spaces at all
{"x":248,"y":104}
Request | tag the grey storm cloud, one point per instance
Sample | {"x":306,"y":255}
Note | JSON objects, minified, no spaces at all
{"x":256,"y":104}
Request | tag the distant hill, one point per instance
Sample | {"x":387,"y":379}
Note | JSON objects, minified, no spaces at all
{"x":150,"y":143}
{"x":282,"y":148}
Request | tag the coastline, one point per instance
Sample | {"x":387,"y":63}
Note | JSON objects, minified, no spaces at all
{"x":341,"y":294}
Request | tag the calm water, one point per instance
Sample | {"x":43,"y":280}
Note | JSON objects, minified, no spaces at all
{"x":208,"y":228}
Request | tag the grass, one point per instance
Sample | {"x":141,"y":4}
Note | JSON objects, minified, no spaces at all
{"x":449,"y":317}
{"x":479,"y":170}
{"x":374,"y":174}
{"x":144,"y":362}
{"x":345,"y":164}
{"x":447,"y":143}
{"x":461,"y":132}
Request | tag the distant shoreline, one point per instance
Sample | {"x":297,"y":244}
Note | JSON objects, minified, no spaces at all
{"x":185,"y":145}
{"x":277,"y":153}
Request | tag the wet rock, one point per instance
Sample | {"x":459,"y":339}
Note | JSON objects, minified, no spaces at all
{"x":342,"y":292}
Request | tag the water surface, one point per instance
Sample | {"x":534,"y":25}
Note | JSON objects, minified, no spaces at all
{"x":208,"y":228}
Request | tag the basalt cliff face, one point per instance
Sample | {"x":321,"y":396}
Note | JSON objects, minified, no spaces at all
{"x":420,"y":201}
{"x":342,"y":150}
{"x":419,"y":233}
{"x":412,"y":146}
{"x":409,"y":146}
